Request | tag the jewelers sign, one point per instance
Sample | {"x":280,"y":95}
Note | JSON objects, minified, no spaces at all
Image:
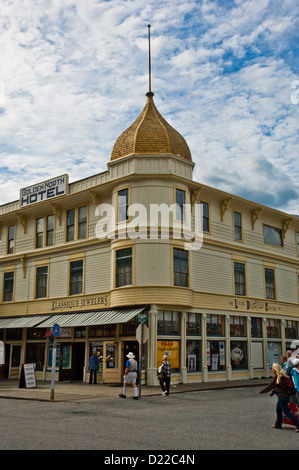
{"x":43,"y":191}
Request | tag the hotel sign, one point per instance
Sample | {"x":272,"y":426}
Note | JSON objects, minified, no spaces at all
{"x":43,"y":191}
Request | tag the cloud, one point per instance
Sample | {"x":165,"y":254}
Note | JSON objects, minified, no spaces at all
{"x":74,"y":75}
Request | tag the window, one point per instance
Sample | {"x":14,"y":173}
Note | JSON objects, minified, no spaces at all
{"x":215,"y":355}
{"x":193,"y":324}
{"x":273,"y":328}
{"x":297,"y":240}
{"x":50,"y":230}
{"x":76,"y":224}
{"x":168,"y":323}
{"x":180,"y":267}
{"x":70,"y":223}
{"x":291,"y":328}
{"x":123,"y":204}
{"x":35,"y":352}
{"x":256,"y":327}
{"x":76,"y":277}
{"x":11,"y":239}
{"x":82,"y":222}
{"x":41,"y":281}
{"x":180,"y":200}
{"x":193,"y":356}
{"x":124,"y":267}
{"x":39,"y":232}
{"x":44,"y":225}
{"x":215,"y":325}
{"x":237,"y":326}
{"x":237,"y":226}
{"x":272,"y":235}
{"x":238,"y":354}
{"x":240,"y":283}
{"x":8,"y":286}
{"x":205,"y":216}
{"x":270,"y":283}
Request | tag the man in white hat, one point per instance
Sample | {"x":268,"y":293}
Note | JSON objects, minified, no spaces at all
{"x":130,"y":376}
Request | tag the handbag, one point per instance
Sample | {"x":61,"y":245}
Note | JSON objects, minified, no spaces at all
{"x":160,"y":373}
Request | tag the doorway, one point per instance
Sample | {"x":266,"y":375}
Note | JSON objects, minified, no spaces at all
{"x":111,"y":362}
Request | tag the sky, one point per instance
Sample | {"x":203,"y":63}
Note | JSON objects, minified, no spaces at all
{"x":225,"y":74}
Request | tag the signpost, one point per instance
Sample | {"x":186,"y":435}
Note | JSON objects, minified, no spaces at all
{"x":142,"y":319}
{"x":56,"y":329}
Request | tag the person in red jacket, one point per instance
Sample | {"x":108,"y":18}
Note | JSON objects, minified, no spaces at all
{"x":278,"y":385}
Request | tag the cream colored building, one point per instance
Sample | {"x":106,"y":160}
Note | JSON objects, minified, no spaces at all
{"x":225,"y":311}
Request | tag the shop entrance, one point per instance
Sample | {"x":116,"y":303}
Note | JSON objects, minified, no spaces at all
{"x":111,"y":362}
{"x":71,"y":361}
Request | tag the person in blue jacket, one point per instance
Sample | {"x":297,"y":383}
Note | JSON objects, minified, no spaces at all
{"x":93,"y":367}
{"x":295,"y":377}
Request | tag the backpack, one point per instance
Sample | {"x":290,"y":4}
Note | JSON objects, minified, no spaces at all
{"x":160,"y":373}
{"x":290,"y":389}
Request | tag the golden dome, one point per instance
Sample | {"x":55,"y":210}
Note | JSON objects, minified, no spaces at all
{"x":150,"y":134}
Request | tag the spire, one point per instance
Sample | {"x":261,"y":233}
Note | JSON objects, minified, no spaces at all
{"x":150,"y":93}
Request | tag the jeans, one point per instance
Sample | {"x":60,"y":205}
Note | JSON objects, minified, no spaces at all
{"x":165,"y":384}
{"x":93,"y":372}
{"x":282,"y":407}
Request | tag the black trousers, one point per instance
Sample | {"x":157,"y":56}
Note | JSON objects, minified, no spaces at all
{"x":94,"y":374}
{"x":165,"y":384}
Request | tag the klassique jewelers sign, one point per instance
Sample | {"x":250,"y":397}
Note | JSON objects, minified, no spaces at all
{"x":43,"y":191}
{"x":80,"y":303}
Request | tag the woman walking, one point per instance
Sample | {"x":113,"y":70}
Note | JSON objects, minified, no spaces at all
{"x":279,"y":386}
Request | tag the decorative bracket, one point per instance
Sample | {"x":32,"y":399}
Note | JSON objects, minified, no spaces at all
{"x":195,"y":193}
{"x":95,"y":197}
{"x":224,"y":206}
{"x":255,"y":215}
{"x":22,"y":220}
{"x":57,"y":211}
{"x":286,"y":225}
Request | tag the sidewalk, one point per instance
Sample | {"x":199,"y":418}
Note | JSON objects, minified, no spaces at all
{"x":78,"y":391}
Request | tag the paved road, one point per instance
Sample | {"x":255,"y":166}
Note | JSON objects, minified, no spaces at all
{"x":228,"y":419}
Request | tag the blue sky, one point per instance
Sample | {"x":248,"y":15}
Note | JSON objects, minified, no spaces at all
{"x":73,"y":77}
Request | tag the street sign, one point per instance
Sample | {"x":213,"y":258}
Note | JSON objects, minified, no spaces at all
{"x":142,"y":333}
{"x":56,"y":329}
{"x":142,"y":318}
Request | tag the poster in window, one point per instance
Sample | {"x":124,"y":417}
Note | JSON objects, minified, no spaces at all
{"x":191,"y":362}
{"x":171,"y":349}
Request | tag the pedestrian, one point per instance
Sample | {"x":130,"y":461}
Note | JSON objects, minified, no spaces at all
{"x":278,"y":384}
{"x":93,"y":367}
{"x":295,"y":377}
{"x":165,"y":376}
{"x":130,"y":376}
{"x":290,"y":359}
{"x":283,"y":361}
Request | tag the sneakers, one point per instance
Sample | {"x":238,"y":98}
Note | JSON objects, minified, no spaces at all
{"x":297,"y":430}
{"x":164,"y":394}
{"x":121,"y":395}
{"x":135,"y":398}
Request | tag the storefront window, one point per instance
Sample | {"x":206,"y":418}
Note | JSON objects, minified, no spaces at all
{"x":169,"y":323}
{"x":237,"y":326}
{"x":215,"y":325}
{"x":291,"y":328}
{"x":80,"y":332}
{"x":273,"y":328}
{"x":256,"y":327}
{"x":36,"y":333}
{"x":14,"y":334}
{"x":102,"y":330}
{"x":15,"y":356}
{"x":238,"y":354}
{"x":129,"y":328}
{"x":172,"y":350}
{"x":35,"y":353}
{"x":193,"y":324}
{"x":274,"y":353}
{"x":193,"y":356}
{"x":215,"y":355}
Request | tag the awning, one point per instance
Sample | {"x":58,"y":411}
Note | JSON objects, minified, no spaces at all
{"x":99,"y":317}
{"x":22,"y":322}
